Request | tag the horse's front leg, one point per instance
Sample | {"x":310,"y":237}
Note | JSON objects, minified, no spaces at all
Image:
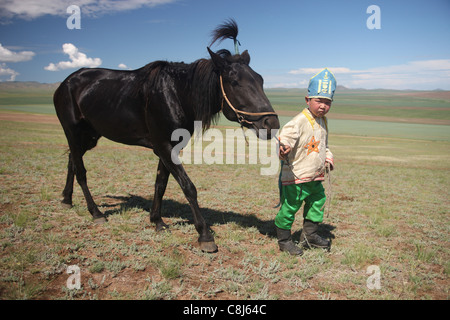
{"x":162,"y":177}
{"x":206,"y":238}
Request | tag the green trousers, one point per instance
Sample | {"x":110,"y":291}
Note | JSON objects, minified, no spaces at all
{"x":292,"y":197}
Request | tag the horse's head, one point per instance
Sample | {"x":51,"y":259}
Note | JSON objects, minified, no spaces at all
{"x":244,"y":98}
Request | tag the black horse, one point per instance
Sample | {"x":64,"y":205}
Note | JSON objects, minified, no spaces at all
{"x":144,"y":106}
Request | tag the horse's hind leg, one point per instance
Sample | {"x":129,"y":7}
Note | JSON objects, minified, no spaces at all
{"x":160,"y":187}
{"x":68,"y":189}
{"x":83,"y":138}
{"x":80,"y":173}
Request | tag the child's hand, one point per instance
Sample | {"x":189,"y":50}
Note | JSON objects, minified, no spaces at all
{"x":284,"y":151}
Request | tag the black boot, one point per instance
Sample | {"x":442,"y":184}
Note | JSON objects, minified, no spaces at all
{"x":286,"y":244}
{"x":309,"y":237}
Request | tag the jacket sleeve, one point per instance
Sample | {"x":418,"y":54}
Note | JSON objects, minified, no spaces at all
{"x":329,"y":156}
{"x":290,"y":134}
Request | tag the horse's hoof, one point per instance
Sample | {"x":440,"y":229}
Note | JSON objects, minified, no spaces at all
{"x":162,"y":227}
{"x":66,"y":205}
{"x":100,"y":220}
{"x":209,"y":247}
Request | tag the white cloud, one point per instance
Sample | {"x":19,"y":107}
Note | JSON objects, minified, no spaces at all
{"x":10,"y":73}
{"x":7,"y":55}
{"x":419,"y":75}
{"x":122,"y":66}
{"x":313,"y":71}
{"x":77,"y":60}
{"x":31,"y":9}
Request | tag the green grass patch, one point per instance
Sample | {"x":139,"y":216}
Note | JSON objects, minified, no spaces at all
{"x":389,"y":208}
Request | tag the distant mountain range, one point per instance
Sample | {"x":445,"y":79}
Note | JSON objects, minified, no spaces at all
{"x":27,"y":86}
{"x":18,"y":86}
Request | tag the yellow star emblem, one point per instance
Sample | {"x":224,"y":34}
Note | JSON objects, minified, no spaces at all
{"x":312,"y":146}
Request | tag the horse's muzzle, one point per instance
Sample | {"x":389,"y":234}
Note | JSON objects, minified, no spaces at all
{"x":267,"y":127}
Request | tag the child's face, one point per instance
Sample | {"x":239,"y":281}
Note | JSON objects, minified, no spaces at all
{"x":318,"y":106}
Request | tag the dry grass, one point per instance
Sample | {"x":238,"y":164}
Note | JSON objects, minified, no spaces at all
{"x":389,"y":209}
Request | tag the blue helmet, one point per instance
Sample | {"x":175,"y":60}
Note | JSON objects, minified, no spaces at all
{"x":322,"y":85}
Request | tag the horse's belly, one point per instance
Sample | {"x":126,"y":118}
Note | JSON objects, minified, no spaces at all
{"x":123,"y":127}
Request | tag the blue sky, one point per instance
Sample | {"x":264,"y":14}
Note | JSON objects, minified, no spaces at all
{"x":288,"y":40}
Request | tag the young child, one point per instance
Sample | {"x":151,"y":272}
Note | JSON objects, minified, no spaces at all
{"x":305,"y":157}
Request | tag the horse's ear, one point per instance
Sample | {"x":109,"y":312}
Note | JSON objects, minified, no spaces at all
{"x":218,"y":61}
{"x":245,"y":57}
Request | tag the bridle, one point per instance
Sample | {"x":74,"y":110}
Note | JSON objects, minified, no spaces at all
{"x":241,"y":114}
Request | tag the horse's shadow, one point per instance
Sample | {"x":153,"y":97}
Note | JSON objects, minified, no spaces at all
{"x":175,"y":209}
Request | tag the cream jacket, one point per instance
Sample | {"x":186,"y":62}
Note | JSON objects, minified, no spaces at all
{"x":308,"y":138}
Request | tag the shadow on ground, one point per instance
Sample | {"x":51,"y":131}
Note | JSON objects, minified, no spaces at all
{"x":175,"y":209}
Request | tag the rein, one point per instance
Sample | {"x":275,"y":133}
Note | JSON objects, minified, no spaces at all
{"x":240,"y":114}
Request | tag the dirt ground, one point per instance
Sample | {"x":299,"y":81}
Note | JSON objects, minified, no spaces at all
{"x":102,"y":284}
{"x":40,"y":118}
{"x":28,"y":117}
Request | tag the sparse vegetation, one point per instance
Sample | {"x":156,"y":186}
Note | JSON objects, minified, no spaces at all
{"x":389,"y":208}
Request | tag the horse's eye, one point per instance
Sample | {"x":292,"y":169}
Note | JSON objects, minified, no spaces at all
{"x":234,"y":83}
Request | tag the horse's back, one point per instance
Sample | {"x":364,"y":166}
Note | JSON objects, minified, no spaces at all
{"x":111,"y":101}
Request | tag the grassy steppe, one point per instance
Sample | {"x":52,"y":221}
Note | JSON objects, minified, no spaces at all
{"x":389,"y":209}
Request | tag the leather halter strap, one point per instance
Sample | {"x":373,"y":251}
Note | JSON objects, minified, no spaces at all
{"x":240,"y":114}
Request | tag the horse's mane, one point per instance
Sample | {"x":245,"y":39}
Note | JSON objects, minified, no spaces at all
{"x":202,"y":81}
{"x":200,"y":84}
{"x":205,"y":88}
{"x":205,"y":92}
